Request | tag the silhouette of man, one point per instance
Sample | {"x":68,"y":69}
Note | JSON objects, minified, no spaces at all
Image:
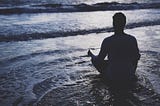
{"x":122,"y":51}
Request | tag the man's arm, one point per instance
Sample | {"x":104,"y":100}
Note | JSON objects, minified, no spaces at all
{"x":137,"y":55}
{"x":103,"y":51}
{"x":102,"y":54}
{"x":98,"y":61}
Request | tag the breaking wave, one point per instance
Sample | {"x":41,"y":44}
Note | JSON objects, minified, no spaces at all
{"x":24,"y":37}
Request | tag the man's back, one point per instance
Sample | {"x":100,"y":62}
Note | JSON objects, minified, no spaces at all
{"x":123,"y":55}
{"x":121,"y":48}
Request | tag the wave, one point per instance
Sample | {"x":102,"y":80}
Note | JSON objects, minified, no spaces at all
{"x":25,"y":37}
{"x":39,"y":53}
{"x":51,"y":8}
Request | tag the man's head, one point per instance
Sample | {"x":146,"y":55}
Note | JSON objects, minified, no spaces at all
{"x":119,"y":21}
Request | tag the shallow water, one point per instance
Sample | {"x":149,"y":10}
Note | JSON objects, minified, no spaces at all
{"x":44,"y":55}
{"x":30,"y":69}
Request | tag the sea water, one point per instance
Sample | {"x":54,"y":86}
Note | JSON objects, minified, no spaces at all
{"x":44,"y":50}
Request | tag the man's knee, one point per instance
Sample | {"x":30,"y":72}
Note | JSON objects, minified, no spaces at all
{"x":99,"y":65}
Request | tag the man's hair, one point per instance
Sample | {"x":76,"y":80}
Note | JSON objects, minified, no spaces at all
{"x":119,"y":19}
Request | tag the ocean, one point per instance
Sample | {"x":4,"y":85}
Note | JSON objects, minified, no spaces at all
{"x":44,"y":44}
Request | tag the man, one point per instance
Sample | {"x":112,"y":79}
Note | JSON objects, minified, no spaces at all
{"x":122,"y":51}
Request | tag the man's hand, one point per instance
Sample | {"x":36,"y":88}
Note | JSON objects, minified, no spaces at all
{"x":90,"y":53}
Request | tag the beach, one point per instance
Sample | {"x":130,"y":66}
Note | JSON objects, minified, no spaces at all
{"x":44,"y":62}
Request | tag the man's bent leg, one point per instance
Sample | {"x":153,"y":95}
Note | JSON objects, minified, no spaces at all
{"x":99,"y":65}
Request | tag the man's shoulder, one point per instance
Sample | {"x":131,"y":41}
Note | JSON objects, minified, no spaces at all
{"x":130,"y":36}
{"x":113,"y":37}
{"x":109,"y":38}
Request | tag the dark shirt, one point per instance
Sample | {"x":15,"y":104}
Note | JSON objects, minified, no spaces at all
{"x":123,"y":54}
